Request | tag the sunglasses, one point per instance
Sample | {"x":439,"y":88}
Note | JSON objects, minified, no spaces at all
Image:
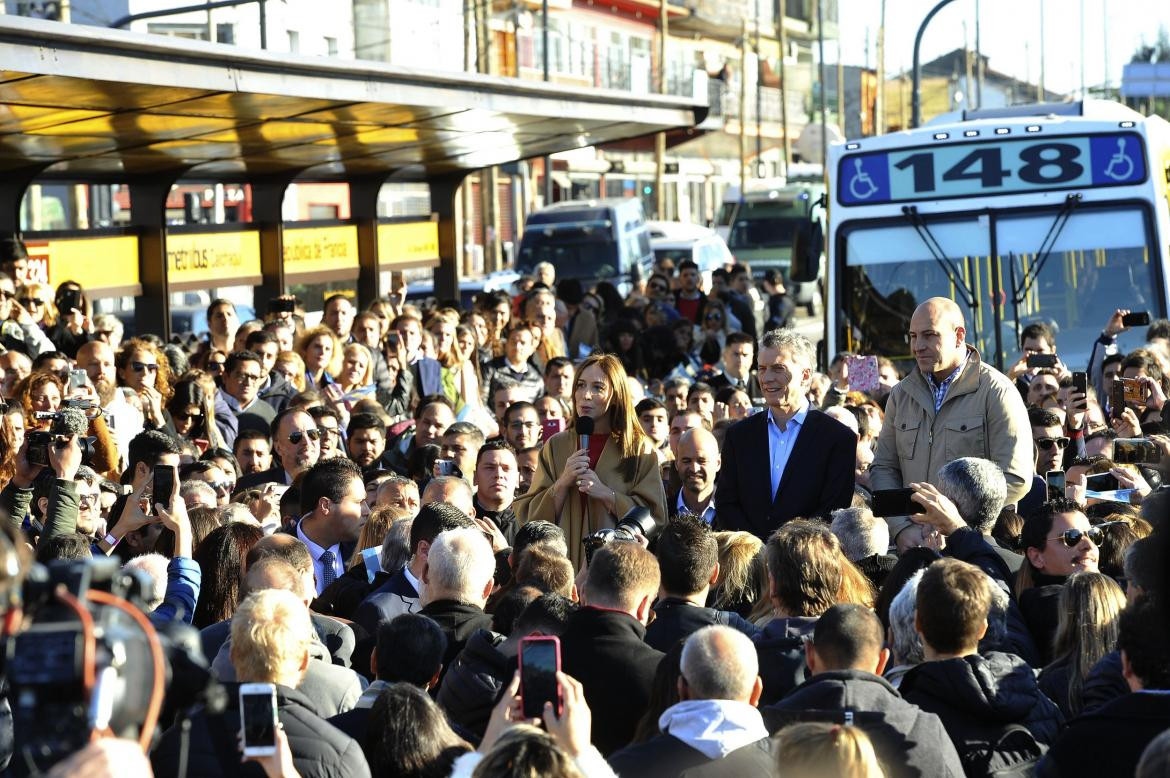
{"x":714,"y":317}
{"x":144,"y":367}
{"x":1047,"y":443}
{"x":658,"y":287}
{"x":191,"y":416}
{"x":296,"y":437}
{"x":7,"y":295}
{"x":31,"y":302}
{"x":1072,"y":537}
{"x":214,"y":367}
{"x":225,"y":486}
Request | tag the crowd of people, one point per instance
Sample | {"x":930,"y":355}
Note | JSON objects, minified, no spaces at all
{"x":751,"y":564}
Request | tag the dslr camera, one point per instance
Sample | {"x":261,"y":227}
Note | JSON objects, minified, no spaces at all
{"x":87,"y":659}
{"x":70,"y":420}
{"x":637,"y":522}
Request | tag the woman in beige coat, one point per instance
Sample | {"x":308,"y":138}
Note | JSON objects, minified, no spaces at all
{"x":583,"y":490}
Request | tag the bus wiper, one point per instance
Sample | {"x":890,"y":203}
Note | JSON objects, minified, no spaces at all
{"x":1020,"y":293}
{"x":936,"y":251}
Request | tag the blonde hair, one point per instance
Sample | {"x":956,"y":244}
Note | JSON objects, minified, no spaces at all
{"x":454,"y":357}
{"x":271,"y":632}
{"x":43,"y":293}
{"x":321,"y":331}
{"x":737,"y":577}
{"x":1090,"y":612}
{"x":524,"y":751}
{"x":374,"y":531}
{"x":294,"y":359}
{"x":624,"y":427}
{"x":820,"y":750}
{"x":367,"y":377}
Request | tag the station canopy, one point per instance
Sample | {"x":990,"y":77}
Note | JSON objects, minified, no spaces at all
{"x":90,"y":103}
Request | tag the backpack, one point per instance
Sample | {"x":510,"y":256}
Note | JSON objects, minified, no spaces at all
{"x":1013,"y":753}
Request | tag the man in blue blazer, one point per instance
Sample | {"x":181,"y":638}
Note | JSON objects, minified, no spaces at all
{"x":789,"y":460}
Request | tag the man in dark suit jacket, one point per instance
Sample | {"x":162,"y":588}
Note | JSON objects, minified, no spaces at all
{"x":603,"y":646}
{"x":790,"y":460}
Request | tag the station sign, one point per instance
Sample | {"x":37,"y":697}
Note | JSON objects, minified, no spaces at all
{"x":991,"y":167}
{"x":408,"y":244}
{"x":105,"y":266}
{"x":213,"y":259}
{"x":320,"y":249}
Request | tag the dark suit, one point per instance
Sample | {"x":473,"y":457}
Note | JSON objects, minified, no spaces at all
{"x":273,"y":475}
{"x":817,"y":479}
{"x":753,"y":386}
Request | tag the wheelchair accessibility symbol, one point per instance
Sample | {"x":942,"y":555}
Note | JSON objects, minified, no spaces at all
{"x":861,"y":186}
{"x":1121,"y":165}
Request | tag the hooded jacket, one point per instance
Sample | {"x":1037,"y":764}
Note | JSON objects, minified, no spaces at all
{"x":780,"y":648}
{"x":473,"y":681}
{"x":909,"y":741}
{"x":319,"y":750}
{"x":982,"y":415}
{"x":698,"y":733}
{"x":979,"y":697}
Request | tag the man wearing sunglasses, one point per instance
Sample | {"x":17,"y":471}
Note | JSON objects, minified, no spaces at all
{"x":1049,"y":444}
{"x":296,"y":441}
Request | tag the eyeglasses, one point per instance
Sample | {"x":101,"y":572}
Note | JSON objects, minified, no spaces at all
{"x":31,"y":302}
{"x":184,"y":415}
{"x":523,"y":425}
{"x":328,"y":431}
{"x":1072,"y":537}
{"x":296,"y":437}
{"x":88,"y":500}
{"x":250,"y":377}
{"x":144,"y":367}
{"x":714,"y":317}
{"x":1047,"y":443}
{"x":658,"y":288}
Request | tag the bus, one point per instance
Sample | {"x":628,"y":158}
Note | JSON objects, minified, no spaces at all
{"x":1053,"y":213}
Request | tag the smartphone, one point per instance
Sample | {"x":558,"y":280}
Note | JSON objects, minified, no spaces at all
{"x":1055,"y":481}
{"x":163,"y":488}
{"x":1080,"y":383}
{"x":1136,"y":319}
{"x":540,"y":661}
{"x":1041,"y":360}
{"x":202,"y":445}
{"x":258,"y":718}
{"x":1135,"y":451}
{"x":550,"y":427}
{"x":70,"y":300}
{"x":282,"y":305}
{"x":1133,"y":393}
{"x":1116,"y":399}
{"x":77,"y":379}
{"x":1101,"y":482}
{"x":863,"y":373}
{"x":895,"y":502}
{"x":444,"y":467}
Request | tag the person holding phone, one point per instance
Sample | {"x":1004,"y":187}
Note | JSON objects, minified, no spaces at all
{"x":270,"y":645}
{"x":586,"y":488}
{"x":73,"y":326}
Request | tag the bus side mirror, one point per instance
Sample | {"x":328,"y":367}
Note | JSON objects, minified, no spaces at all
{"x":808,"y":243}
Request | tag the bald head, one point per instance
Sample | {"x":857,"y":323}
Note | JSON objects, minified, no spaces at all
{"x":719,"y":663}
{"x":96,"y":358}
{"x":697,"y":461}
{"x":937,"y":337}
{"x":271,"y":573}
{"x":450,"y":489}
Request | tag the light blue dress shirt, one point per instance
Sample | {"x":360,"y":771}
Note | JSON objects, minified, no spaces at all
{"x":781,"y":441}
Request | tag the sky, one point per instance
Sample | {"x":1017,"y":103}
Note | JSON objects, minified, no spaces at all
{"x":1009,"y":35}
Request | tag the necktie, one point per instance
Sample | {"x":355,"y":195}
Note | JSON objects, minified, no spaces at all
{"x":329,"y":575}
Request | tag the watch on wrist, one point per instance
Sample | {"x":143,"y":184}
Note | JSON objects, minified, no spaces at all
{"x":111,"y":540}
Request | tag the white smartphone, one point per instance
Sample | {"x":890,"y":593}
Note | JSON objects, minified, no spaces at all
{"x":258,"y":717}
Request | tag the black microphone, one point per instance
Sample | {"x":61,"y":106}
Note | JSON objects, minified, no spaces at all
{"x":584,"y":427}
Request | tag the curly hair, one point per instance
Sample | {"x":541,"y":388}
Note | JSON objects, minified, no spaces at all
{"x":135,"y":346}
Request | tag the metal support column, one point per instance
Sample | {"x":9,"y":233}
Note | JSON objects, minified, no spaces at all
{"x":363,"y":209}
{"x":444,"y":189}
{"x":267,"y":202}
{"x":148,"y":214}
{"x":13,"y":185}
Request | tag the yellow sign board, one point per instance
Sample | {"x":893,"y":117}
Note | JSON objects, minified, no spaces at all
{"x":215,"y":258}
{"x":408,"y":244}
{"x":108,"y":262}
{"x":320,"y":249}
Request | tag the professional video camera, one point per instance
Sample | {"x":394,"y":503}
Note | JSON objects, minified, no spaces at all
{"x":70,"y":420}
{"x":87,"y":660}
{"x":637,"y":521}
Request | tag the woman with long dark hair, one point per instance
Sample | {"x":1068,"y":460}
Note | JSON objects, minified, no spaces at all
{"x":191,"y":414}
{"x":221,"y":557}
{"x":583,"y":490}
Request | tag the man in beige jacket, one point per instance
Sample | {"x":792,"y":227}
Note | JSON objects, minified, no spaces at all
{"x":953,"y":405}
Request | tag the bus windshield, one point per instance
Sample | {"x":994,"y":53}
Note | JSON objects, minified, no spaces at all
{"x":766,"y":224}
{"x":573,"y":255}
{"x":1100,"y":261}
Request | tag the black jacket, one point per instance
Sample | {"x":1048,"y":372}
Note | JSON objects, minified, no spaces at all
{"x":529,"y":379}
{"x":877,"y":567}
{"x":1109,"y":740}
{"x":604,"y":650}
{"x":780,"y":648}
{"x":676,"y":619}
{"x":978,"y":697}
{"x":1040,"y":607}
{"x":335,"y":635}
{"x":342,"y":597}
{"x":459,"y":621}
{"x":473,"y":682}
{"x":817,"y":480}
{"x":318,"y":749}
{"x":1105,"y":683}
{"x":393,"y":598}
{"x":505,"y":520}
{"x":908,"y":741}
{"x":665,"y":756}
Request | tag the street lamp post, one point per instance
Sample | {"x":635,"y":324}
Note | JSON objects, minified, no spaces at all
{"x":916,"y":92}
